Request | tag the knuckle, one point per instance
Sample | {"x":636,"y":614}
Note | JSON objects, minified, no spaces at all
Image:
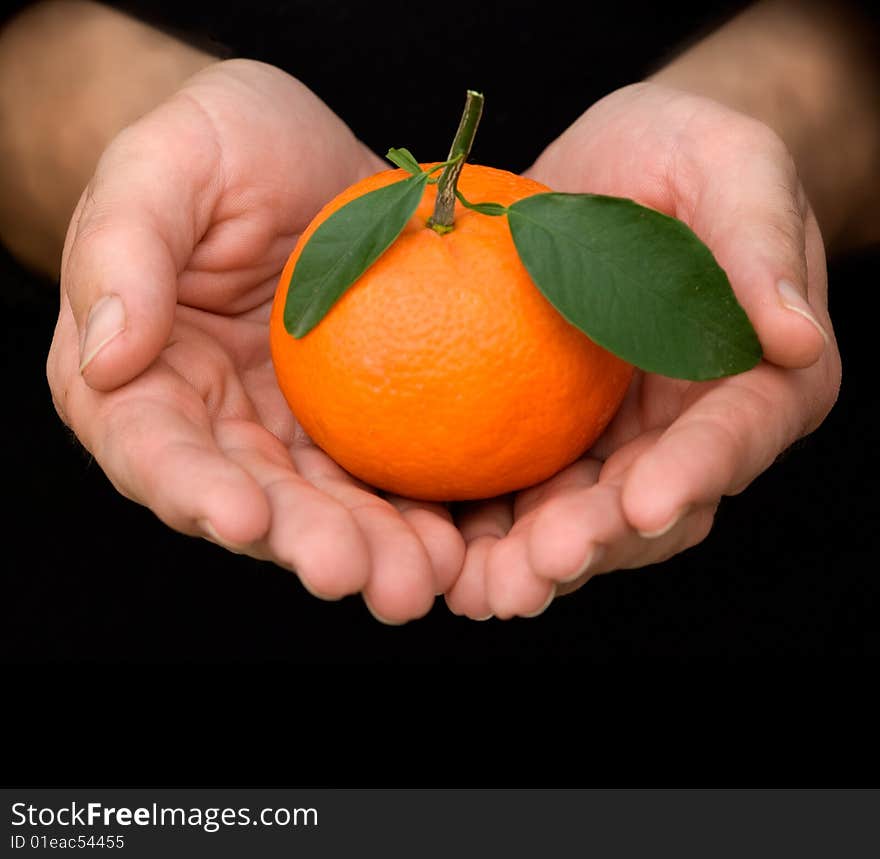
{"x":704,"y":520}
{"x":59,"y":400}
{"x":696,"y":528}
{"x":73,"y":227}
{"x":745,"y":147}
{"x":826,"y":393}
{"x":772,"y":143}
{"x":752,"y":135}
{"x":786,"y":226}
{"x":59,"y":385}
{"x":96,"y":222}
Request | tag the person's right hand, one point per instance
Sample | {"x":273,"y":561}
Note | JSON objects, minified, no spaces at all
{"x":160,"y":361}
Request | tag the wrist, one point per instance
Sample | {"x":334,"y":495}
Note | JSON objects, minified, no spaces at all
{"x":809,"y":72}
{"x":72,"y":75}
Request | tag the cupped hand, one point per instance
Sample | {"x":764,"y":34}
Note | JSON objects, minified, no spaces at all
{"x":650,"y":486}
{"x":160,"y":361}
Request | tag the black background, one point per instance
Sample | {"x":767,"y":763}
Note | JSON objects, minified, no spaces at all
{"x":789,"y":569}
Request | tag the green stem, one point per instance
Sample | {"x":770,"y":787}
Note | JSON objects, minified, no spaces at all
{"x":444,"y":209}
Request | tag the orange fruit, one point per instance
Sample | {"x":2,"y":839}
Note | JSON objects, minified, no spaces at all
{"x":443,"y":373}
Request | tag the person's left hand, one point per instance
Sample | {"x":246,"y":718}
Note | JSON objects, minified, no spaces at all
{"x":650,"y":486}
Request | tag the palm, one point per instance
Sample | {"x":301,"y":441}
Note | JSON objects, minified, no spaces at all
{"x":201,"y":433}
{"x":650,"y":485}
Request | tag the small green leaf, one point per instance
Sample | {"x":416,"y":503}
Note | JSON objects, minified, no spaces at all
{"x":492,"y":209}
{"x":344,"y":247}
{"x":405,"y":159}
{"x":635,"y":281}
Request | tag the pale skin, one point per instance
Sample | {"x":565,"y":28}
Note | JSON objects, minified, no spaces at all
{"x":162,"y":368}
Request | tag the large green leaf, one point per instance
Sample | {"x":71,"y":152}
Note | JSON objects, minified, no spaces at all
{"x":635,"y":281}
{"x":344,"y":247}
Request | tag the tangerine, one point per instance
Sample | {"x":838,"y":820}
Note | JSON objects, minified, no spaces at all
{"x":443,"y":373}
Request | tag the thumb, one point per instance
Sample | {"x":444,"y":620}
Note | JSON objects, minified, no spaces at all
{"x":121,"y":284}
{"x":764,"y":235}
{"x":733,"y":181}
{"x":132,"y":233}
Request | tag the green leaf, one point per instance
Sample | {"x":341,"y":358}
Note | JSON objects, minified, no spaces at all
{"x":635,"y":281}
{"x":492,"y":209}
{"x":405,"y":159}
{"x":344,"y":247}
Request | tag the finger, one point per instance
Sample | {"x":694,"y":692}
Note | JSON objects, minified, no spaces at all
{"x":492,"y":518}
{"x":502,"y":526}
{"x":310,"y":533}
{"x":511,"y":586}
{"x":468,"y":595}
{"x":401,"y":584}
{"x":481,"y":524}
{"x":583,"y":472}
{"x":590,"y":523}
{"x":133,"y":231}
{"x":730,"y":178}
{"x":162,"y":454}
{"x":635,"y":551}
{"x":578,"y":515}
{"x":571,"y":532}
{"x":751,"y":211}
{"x":717,"y":447}
{"x":442,"y":540}
{"x":154,"y":442}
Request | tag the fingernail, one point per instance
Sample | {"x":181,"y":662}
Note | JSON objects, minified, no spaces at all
{"x":653,"y":535}
{"x":590,"y":560}
{"x":792,"y":300}
{"x":484,"y":617}
{"x":106,"y":321}
{"x":551,"y":596}
{"x":211,"y":534}
{"x":379,"y":616}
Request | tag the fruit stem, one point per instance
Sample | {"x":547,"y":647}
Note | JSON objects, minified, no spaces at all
{"x":444,"y":209}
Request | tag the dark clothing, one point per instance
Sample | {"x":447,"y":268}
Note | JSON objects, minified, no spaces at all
{"x":789,"y":567}
{"x":397,"y":75}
